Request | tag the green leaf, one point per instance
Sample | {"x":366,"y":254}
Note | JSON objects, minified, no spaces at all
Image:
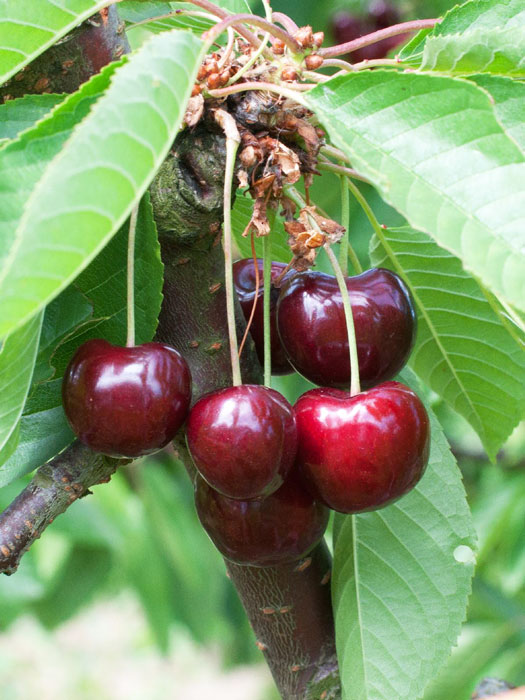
{"x":509,"y":104}
{"x":498,"y":51}
{"x":26,"y":31}
{"x":241,"y":215}
{"x":87,"y":192}
{"x":18,"y":115}
{"x":463,"y":351}
{"x":399,"y":593}
{"x":479,"y":16}
{"x":436,"y":152}
{"x":17,"y":360}
{"x":23,"y":161}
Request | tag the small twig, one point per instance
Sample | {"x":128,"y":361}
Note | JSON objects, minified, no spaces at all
{"x":285,"y":21}
{"x":288,"y":92}
{"x":377,"y":63}
{"x":334,"y":153}
{"x":337,"y":63}
{"x":240,"y":19}
{"x":169,"y":15}
{"x":228,"y":50}
{"x":251,"y":61}
{"x":341,"y":170}
{"x":222,"y":14}
{"x":374,"y":37}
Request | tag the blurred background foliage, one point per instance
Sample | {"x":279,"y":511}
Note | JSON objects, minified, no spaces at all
{"x":139,"y":535}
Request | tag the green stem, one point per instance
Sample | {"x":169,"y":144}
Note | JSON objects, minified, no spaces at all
{"x":355,"y":386}
{"x":267,"y":283}
{"x":345,"y":221}
{"x":366,"y":208}
{"x":130,"y":340}
{"x":253,"y":58}
{"x":232,"y":144}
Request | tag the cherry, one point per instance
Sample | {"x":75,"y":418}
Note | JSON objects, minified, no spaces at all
{"x":363,"y":452}
{"x":312,"y":326}
{"x":282,"y":528}
{"x":243,"y":440}
{"x":126,"y":401}
{"x":244,"y":281}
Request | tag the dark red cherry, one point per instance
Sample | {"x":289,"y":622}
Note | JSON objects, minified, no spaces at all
{"x":312,"y":326}
{"x":347,"y":27}
{"x":126,"y":401}
{"x":243,"y":440}
{"x":244,"y":280}
{"x":362,"y":452}
{"x":383,"y":14}
{"x":279,"y":529}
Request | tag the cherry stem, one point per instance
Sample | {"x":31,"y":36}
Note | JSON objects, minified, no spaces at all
{"x":239,"y":19}
{"x":341,"y":170}
{"x":345,"y":221}
{"x":287,"y":92}
{"x":374,"y":37}
{"x":256,"y":295}
{"x":355,"y":385}
{"x":366,"y":208}
{"x":130,"y":302}
{"x":233,"y":139}
{"x":228,"y":50}
{"x":267,"y":288}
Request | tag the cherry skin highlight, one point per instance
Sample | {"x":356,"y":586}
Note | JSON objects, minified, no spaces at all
{"x":277,"y":530}
{"x":244,"y":281}
{"x":126,"y":401}
{"x":363,"y":452}
{"x":312,"y":326}
{"x":243,"y":440}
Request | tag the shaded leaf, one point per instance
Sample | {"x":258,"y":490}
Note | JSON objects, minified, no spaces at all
{"x":18,"y":115}
{"x":463,"y":351}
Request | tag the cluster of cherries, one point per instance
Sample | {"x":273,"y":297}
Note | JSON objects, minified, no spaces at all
{"x":266,"y":470}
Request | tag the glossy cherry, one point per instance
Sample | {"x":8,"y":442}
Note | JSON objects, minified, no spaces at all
{"x":281,"y":528}
{"x":363,"y":452}
{"x":243,"y":440}
{"x":126,"y":401}
{"x":244,"y":281}
{"x":312,"y":326}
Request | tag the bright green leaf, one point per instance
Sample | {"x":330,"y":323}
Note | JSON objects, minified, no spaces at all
{"x":435,"y":150}
{"x":23,"y":161}
{"x":18,"y":115}
{"x":463,"y":351}
{"x":26,"y":30}
{"x":399,"y":592}
{"x":509,"y":104}
{"x":482,"y":17}
{"x":88,"y":191}
{"x":498,"y":51}
{"x":17,"y":360}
